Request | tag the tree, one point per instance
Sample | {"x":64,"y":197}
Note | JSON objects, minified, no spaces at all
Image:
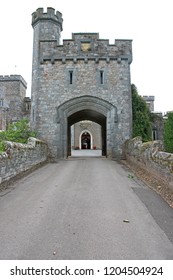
{"x":141,"y":116}
{"x":168,"y":133}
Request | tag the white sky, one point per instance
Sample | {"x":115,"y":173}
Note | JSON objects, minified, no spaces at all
{"x":149,"y":23}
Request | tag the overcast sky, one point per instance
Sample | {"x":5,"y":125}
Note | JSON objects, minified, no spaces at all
{"x":149,"y":23}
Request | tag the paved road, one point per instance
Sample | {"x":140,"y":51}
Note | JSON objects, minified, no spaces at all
{"x":86,"y":153}
{"x":84,"y":208}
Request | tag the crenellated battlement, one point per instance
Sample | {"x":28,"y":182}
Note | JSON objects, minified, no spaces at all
{"x":12,"y":78}
{"x":148,"y":97}
{"x":39,"y":15}
{"x":85,"y":36}
{"x":86,"y":46}
{"x":82,"y":46}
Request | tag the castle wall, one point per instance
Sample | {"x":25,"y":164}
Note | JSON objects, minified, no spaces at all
{"x":54,"y":89}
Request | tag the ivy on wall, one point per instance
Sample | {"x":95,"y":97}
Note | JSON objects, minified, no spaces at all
{"x":142,"y":124}
{"x":168,"y":133}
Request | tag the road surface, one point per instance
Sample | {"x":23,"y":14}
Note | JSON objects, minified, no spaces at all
{"x":84,"y":208}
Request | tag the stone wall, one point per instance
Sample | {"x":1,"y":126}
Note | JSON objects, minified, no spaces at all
{"x":150,"y":156}
{"x":19,"y":158}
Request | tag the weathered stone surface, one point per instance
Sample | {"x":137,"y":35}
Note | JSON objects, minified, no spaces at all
{"x":150,"y":156}
{"x":12,"y":94}
{"x":85,"y":78}
{"x":21,"y":157}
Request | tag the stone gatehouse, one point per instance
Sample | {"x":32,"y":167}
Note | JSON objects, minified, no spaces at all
{"x":83,"y":79}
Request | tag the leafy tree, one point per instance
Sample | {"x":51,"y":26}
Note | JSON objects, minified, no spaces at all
{"x":168,"y":133}
{"x":141,"y":116}
{"x":16,"y":132}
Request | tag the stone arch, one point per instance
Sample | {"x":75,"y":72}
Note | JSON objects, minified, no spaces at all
{"x":82,"y":108}
{"x":83,"y":131}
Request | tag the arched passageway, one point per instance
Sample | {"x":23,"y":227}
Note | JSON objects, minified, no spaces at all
{"x":89,"y":108}
{"x":90,"y":115}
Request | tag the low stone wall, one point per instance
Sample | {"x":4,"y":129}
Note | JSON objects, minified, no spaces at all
{"x":150,"y":156}
{"x":19,"y":158}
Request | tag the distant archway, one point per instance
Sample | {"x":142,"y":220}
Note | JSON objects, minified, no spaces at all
{"x":85,"y":140}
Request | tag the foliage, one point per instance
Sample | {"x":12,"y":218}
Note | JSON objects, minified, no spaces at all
{"x":168,"y":133}
{"x":141,"y":116}
{"x":16,"y":132}
{"x":2,"y":146}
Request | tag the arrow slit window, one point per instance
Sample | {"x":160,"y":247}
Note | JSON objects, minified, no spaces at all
{"x":71,"y":77}
{"x":1,"y":102}
{"x":101,"y":77}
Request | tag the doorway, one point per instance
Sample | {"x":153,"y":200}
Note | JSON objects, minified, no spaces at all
{"x":85,"y":141}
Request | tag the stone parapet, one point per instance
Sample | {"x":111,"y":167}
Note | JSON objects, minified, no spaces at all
{"x":150,"y":156}
{"x":19,"y":157}
{"x":12,"y":78}
{"x":51,"y":15}
{"x":85,"y":46}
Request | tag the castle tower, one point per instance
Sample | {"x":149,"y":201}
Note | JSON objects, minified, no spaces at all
{"x":149,"y":101}
{"x":12,"y":94}
{"x":47,"y":28}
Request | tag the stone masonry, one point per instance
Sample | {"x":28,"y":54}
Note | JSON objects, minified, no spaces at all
{"x":20,"y":158}
{"x":149,"y":101}
{"x":12,"y":100}
{"x":85,"y":78}
{"x":150,"y":157}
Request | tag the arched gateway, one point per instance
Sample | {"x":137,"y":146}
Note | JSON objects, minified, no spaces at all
{"x":83,"y":79}
{"x":82,"y":108}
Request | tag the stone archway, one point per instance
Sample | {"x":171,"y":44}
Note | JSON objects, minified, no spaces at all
{"x":91,"y":115}
{"x":86,"y":134}
{"x":90,"y":108}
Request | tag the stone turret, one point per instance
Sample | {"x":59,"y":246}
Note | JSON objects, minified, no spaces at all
{"x":150,"y":102}
{"x":47,"y":26}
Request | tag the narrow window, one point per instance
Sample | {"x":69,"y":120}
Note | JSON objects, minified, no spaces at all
{"x":155,"y":134}
{"x":71,"y":77}
{"x":101,"y":77}
{"x":33,"y":115}
{"x":1,"y":102}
